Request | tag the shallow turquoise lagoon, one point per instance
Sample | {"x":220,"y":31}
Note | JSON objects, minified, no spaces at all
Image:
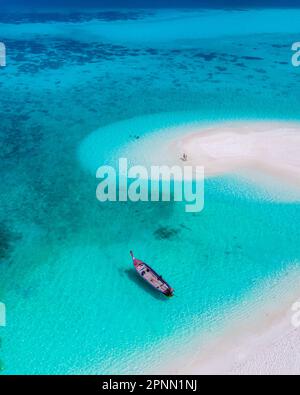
{"x":73,"y":301}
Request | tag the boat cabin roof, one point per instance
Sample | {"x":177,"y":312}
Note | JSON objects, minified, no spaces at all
{"x":153,"y":278}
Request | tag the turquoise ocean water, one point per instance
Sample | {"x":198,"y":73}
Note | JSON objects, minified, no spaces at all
{"x":74,"y":304}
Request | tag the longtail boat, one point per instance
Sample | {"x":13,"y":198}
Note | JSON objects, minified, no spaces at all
{"x":154,"y":279}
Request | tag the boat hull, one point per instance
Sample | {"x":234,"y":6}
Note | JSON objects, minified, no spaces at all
{"x":152,"y":278}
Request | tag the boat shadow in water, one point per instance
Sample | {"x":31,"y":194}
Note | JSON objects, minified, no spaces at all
{"x":134,"y":277}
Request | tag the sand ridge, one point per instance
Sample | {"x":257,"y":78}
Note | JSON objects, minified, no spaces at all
{"x":250,"y":149}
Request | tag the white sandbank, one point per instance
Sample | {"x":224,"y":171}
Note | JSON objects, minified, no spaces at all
{"x":265,"y":153}
{"x":257,"y":339}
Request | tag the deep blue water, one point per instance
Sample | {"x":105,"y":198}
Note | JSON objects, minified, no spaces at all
{"x":155,"y":3}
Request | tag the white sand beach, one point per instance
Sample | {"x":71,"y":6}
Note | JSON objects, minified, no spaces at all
{"x":266,"y":153}
{"x":264,"y":344}
{"x":257,"y":339}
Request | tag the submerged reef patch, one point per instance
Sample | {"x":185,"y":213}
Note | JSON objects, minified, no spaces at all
{"x":7,"y":238}
{"x":33,"y":56}
{"x":166,"y":233}
{"x":72,"y":17}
